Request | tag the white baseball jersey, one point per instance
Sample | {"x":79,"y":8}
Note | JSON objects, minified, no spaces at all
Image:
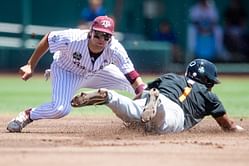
{"x":73,"y":69}
{"x":72,"y":54}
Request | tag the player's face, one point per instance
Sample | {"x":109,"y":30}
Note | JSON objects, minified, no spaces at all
{"x":100,"y":38}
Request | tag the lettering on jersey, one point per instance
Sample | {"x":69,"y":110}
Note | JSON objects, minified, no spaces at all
{"x":127,"y":60}
{"x":105,"y":63}
{"x":76,"y":61}
{"x":78,"y":65}
{"x":55,"y":38}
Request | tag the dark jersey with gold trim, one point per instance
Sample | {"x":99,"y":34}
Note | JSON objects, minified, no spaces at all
{"x":194,"y":98}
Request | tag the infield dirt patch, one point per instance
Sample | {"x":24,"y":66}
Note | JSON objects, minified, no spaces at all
{"x":95,"y":140}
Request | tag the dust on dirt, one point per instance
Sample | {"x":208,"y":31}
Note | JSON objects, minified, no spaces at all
{"x":105,"y":141}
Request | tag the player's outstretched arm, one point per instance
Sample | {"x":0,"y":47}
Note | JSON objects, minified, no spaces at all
{"x":27,"y":70}
{"x":139,"y":87}
{"x":228,"y":125}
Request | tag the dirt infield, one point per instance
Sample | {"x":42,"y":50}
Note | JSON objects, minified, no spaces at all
{"x":94,"y":140}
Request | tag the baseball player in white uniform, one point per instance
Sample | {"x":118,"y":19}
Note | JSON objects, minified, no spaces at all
{"x":82,"y":59}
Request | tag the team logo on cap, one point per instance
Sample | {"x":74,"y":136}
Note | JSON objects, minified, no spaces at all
{"x":201,"y":69}
{"x":106,"y":23}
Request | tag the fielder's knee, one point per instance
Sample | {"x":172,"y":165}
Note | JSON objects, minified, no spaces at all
{"x":61,"y":111}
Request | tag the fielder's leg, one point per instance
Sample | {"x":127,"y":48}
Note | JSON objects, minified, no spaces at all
{"x":64,"y":85}
{"x":18,"y":123}
{"x":110,"y":77}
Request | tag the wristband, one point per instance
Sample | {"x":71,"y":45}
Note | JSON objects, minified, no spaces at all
{"x":132,"y":76}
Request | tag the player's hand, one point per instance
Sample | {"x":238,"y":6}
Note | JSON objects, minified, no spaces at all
{"x":138,"y":96}
{"x":139,"y":91}
{"x":238,"y":128}
{"x":26,"y":72}
{"x":235,"y":128}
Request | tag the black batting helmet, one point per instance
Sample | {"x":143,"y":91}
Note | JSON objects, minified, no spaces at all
{"x":202,"y":71}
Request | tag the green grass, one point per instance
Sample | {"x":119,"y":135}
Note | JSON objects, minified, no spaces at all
{"x":17,"y":95}
{"x":234,"y":93}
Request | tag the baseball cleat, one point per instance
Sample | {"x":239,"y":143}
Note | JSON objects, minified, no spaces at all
{"x":95,"y":98}
{"x":151,"y":104}
{"x":18,"y":123}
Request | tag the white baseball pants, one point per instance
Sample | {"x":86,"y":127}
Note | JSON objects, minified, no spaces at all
{"x":169,"y":117}
{"x":65,"y":84}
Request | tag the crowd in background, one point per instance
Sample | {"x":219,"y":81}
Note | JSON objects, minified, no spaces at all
{"x":206,"y":37}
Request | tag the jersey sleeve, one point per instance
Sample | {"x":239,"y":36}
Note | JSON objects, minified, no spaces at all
{"x":215,"y":106}
{"x":121,"y":58}
{"x":58,"y":40}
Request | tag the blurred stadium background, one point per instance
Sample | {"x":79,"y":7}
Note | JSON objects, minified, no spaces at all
{"x":24,"y":22}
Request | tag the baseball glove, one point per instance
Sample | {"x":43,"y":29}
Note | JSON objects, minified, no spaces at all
{"x":85,"y":99}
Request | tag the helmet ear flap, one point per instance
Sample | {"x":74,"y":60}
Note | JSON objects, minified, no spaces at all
{"x":209,"y":83}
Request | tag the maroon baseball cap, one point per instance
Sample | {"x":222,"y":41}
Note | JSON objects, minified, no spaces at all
{"x":103,"y":24}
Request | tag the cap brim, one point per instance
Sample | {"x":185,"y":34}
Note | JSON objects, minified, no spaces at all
{"x":103,"y":30}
